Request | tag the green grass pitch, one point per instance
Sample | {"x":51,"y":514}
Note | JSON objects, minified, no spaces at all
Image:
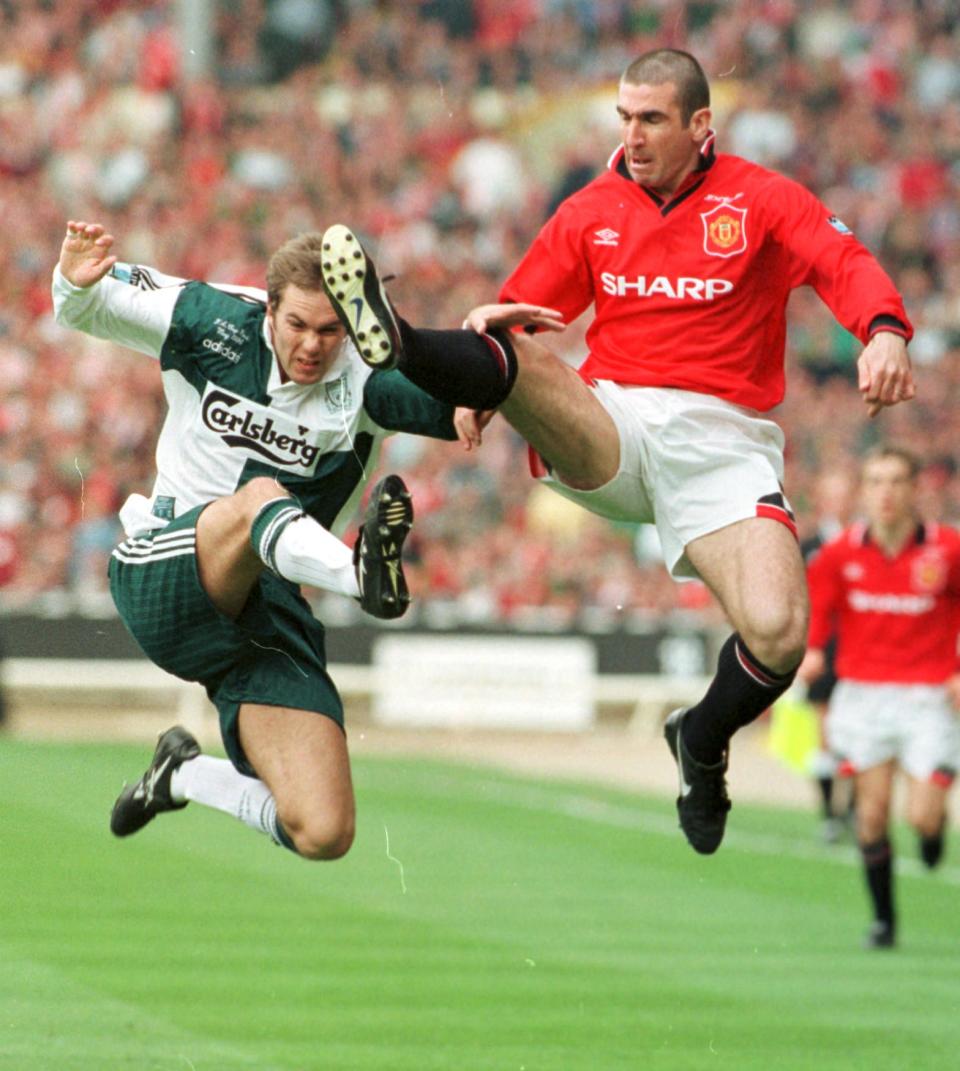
{"x":513,"y":924}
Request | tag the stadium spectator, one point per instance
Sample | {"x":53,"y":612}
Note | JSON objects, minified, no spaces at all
{"x":888,"y":590}
{"x":273,"y":421}
{"x":688,"y":258}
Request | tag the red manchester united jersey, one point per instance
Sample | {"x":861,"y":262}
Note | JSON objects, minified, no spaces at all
{"x":692,"y":292}
{"x":895,"y":619}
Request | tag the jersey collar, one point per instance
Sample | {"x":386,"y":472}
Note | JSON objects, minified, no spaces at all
{"x":921,"y":535}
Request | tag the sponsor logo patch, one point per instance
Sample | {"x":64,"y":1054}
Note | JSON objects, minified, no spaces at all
{"x":244,"y":425}
{"x":864,"y":602}
{"x":684,"y":288}
{"x":724,"y":231}
{"x":839,"y":225}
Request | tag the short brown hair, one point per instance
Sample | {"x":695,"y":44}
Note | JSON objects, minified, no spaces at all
{"x":877,"y":453}
{"x":672,"y":65}
{"x":298,"y":261}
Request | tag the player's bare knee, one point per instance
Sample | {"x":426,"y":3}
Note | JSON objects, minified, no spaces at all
{"x":321,"y":837}
{"x":256,"y":492}
{"x":872,"y":820}
{"x":925,"y":822}
{"x":777,"y":635}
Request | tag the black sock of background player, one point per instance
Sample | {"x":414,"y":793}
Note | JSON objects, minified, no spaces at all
{"x":739,"y":693}
{"x":878,"y":869}
{"x":459,"y":367}
{"x":931,"y":849}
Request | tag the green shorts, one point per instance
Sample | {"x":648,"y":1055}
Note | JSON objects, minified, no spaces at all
{"x":273,"y":654}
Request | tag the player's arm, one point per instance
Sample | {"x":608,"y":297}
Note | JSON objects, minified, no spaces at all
{"x":396,"y":404}
{"x":555,"y":271}
{"x":86,"y":298}
{"x":952,"y":684}
{"x":813,"y":666}
{"x":850,"y":281}
{"x":824,"y":583}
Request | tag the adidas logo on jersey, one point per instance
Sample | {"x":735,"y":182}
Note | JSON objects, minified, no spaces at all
{"x":660,"y":285}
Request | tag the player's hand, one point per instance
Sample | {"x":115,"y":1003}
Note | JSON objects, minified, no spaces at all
{"x":85,"y":256}
{"x":813,"y":664}
{"x":483,"y":317}
{"x":885,"y":375}
{"x":953,"y":690}
{"x":469,"y":424}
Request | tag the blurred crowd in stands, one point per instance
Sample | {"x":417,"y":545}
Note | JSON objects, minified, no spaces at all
{"x":445,"y":131}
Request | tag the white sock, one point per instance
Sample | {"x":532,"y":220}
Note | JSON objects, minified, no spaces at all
{"x":215,"y":783}
{"x":306,"y":553}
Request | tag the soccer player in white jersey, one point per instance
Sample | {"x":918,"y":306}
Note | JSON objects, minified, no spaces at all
{"x":888,"y":590}
{"x":273,"y":430}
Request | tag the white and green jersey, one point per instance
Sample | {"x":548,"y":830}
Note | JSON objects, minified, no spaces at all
{"x":230,"y":417}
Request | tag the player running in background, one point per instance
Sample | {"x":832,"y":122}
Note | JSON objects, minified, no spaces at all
{"x":688,"y":257}
{"x":889,"y":590}
{"x":834,"y":500}
{"x":273,"y":430}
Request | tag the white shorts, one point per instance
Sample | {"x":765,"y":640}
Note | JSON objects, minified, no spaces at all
{"x":868,"y":724}
{"x":689,"y":463}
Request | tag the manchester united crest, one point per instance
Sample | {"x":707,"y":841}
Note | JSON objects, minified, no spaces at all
{"x":724,"y":231}
{"x":929,"y":572}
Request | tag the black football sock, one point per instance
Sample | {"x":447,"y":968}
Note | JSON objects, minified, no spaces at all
{"x":825,"y":784}
{"x":931,"y":849}
{"x":739,"y":693}
{"x":878,"y":869}
{"x":459,"y":367}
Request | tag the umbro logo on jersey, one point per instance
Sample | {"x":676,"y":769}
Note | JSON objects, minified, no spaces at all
{"x":241,"y":424}
{"x":606,"y":237}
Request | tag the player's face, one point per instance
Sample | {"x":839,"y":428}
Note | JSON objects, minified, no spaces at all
{"x":307,"y":335}
{"x":659,"y":150}
{"x":889,"y":492}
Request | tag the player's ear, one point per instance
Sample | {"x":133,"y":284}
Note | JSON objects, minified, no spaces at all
{"x":700,"y":124}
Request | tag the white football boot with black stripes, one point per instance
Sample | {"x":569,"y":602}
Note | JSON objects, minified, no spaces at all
{"x":351,"y":283}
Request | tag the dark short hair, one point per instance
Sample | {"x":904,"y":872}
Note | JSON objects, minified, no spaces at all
{"x":298,"y":261}
{"x":878,"y":453}
{"x":672,"y":65}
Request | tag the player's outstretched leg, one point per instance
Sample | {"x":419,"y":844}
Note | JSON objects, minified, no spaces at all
{"x":141,"y":803}
{"x":455,"y":366}
{"x":358,"y":298}
{"x":703,"y":802}
{"x":377,"y":553}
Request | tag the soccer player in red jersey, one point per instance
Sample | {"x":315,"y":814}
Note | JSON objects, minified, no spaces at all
{"x":688,"y":257}
{"x":889,"y":591}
